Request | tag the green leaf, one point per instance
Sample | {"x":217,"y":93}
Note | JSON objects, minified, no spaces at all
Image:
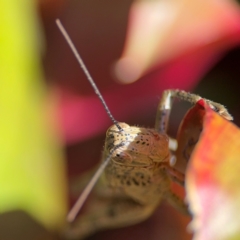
{"x":32,"y":174}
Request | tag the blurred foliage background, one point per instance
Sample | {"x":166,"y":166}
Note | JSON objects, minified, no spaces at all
{"x":41,"y":88}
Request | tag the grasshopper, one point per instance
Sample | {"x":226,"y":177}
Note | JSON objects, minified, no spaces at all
{"x":135,"y":172}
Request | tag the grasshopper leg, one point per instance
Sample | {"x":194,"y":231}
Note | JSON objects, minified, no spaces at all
{"x":176,"y":176}
{"x":165,"y":105}
{"x":177,"y":202}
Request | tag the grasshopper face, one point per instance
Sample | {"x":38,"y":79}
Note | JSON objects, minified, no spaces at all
{"x":141,"y":146}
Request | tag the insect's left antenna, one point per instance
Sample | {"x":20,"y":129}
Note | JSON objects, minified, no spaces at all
{"x":82,"y":65}
{"x":78,"y":205}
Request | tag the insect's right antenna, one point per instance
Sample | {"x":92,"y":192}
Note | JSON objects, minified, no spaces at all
{"x":78,"y":205}
{"x":82,"y":65}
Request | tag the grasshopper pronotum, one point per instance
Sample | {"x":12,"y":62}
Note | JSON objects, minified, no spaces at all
{"x":136,"y":169}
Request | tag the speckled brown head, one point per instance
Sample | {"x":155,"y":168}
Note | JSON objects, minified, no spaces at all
{"x":141,"y":146}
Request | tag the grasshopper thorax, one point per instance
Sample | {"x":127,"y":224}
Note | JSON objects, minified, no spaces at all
{"x":140,"y":146}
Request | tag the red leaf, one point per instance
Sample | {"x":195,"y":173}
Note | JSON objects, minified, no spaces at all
{"x":213,"y":176}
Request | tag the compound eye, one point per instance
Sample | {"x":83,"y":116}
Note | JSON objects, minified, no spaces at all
{"x":122,"y":157}
{"x":114,"y":128}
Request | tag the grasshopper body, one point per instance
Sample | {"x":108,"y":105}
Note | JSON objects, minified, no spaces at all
{"x":136,"y":170}
{"x":138,"y":175}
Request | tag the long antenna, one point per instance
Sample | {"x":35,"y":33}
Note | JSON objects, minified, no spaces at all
{"x":90,"y":79}
{"x":78,"y":205}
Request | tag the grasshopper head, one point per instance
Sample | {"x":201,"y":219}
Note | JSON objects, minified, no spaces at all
{"x":139,"y":146}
